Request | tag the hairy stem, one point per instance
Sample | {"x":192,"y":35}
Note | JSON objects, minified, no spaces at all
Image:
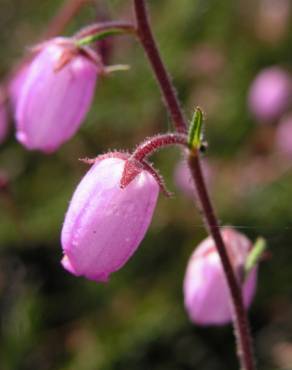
{"x":155,"y":143}
{"x":240,"y":320}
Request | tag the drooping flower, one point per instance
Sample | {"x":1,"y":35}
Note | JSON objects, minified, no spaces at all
{"x":206,"y":293}
{"x":270,"y":94}
{"x":105,"y":223}
{"x":57,"y":91}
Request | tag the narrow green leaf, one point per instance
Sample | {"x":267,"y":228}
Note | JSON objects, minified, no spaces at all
{"x":117,"y":68}
{"x":255,"y":255}
{"x":99,"y":36}
{"x":195,"y":130}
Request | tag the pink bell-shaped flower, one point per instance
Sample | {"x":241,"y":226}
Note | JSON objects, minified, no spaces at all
{"x":206,"y":293}
{"x":270,"y":94}
{"x":105,"y":223}
{"x":56,"y":94}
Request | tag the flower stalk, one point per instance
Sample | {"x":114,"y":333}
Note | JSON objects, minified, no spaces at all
{"x":151,"y":145}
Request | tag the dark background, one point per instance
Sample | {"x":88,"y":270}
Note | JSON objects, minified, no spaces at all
{"x":52,"y":320}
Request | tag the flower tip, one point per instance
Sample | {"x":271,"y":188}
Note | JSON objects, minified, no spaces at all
{"x":66,"y":263}
{"x":21,"y":137}
{"x":49,"y":149}
{"x":104,"y":278}
{"x":100,"y":278}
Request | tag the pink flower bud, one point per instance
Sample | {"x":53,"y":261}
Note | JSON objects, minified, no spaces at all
{"x":206,"y":293}
{"x":105,"y":223}
{"x":270,"y":93}
{"x":56,"y":95}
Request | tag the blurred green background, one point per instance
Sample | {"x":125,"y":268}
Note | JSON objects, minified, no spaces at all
{"x":52,"y":320}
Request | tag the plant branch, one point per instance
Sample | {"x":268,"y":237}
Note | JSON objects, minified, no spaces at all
{"x":240,"y":320}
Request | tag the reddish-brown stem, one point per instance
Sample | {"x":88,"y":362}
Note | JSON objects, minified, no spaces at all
{"x":151,"y":145}
{"x":240,"y":320}
{"x":166,"y":86}
{"x":64,"y":15}
{"x":104,"y":26}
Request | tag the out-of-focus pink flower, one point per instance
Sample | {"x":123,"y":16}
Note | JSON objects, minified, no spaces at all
{"x":3,"y":118}
{"x":206,"y":294}
{"x":206,"y":60}
{"x":270,"y":93}
{"x":283,"y":139}
{"x":105,"y":224}
{"x":183,"y":178}
{"x":56,"y":95}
